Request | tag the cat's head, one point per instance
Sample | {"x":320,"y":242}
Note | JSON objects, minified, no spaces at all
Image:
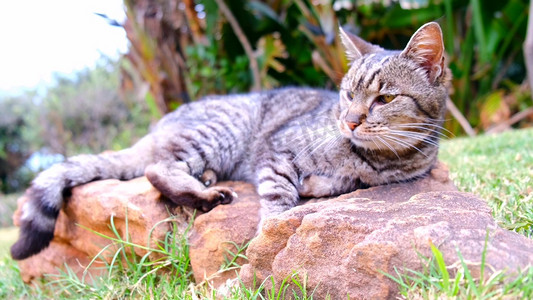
{"x":394,"y":100}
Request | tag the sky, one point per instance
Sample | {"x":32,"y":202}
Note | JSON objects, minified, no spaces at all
{"x":39,"y":38}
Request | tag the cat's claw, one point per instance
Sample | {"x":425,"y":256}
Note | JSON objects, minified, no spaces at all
{"x":226,"y":199}
{"x":215,"y":196}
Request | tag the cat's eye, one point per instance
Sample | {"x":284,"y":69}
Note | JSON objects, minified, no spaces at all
{"x":349,"y":95}
{"x":386,"y":98}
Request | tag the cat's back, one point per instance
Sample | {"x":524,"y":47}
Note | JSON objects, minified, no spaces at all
{"x":263,"y":110}
{"x":292,"y":101}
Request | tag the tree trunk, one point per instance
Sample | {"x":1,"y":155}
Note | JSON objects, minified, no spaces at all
{"x":156,"y":31}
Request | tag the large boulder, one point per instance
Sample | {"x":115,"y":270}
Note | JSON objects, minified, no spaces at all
{"x":341,"y":247}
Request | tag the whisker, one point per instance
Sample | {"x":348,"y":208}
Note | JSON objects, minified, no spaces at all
{"x":431,"y":119}
{"x":315,"y":133}
{"x":423,"y":126}
{"x":377,"y":145}
{"x":404,"y":143}
{"x":326,"y":141}
{"x":437,"y":132}
{"x":312,"y":148}
{"x":424,"y":123}
{"x":419,"y":137}
{"x":315,"y":145}
{"x":400,"y":142}
{"x":306,"y":149}
{"x":388,"y":145}
{"x":333,"y":143}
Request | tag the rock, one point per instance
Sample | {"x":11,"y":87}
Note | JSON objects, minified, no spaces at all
{"x":91,"y":206}
{"x":89,"y":210}
{"x":340,"y":246}
{"x":237,"y":222}
{"x":215,"y":232}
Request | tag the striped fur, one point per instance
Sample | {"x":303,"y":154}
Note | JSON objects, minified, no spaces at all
{"x":291,"y":143}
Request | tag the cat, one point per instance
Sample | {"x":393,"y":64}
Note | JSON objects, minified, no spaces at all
{"x":382,"y":127}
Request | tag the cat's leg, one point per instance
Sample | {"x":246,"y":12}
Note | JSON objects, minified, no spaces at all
{"x":173,"y":179}
{"x":276,"y":186}
{"x":317,"y":186}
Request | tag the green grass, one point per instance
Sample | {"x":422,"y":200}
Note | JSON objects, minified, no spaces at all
{"x":131,"y":276}
{"x":436,"y":282}
{"x":8,"y":236}
{"x":11,"y":285}
{"x":497,"y":168}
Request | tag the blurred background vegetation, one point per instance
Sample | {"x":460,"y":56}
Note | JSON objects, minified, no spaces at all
{"x":181,"y":50}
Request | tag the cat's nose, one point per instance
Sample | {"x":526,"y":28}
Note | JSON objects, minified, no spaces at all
{"x":354,"y":120}
{"x":352,"y":125}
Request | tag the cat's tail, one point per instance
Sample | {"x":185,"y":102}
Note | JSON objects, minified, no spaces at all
{"x":39,"y":213}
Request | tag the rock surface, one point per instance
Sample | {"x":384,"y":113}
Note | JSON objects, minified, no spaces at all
{"x":89,"y":210}
{"x":214,"y":232}
{"x":341,"y":246}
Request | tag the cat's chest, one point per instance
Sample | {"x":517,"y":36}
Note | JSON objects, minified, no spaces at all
{"x":331,"y":177}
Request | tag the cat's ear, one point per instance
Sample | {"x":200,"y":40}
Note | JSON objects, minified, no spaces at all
{"x":355,"y":46}
{"x":426,"y":48}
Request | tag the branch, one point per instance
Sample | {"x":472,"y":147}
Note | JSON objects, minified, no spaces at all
{"x":519,"y":116}
{"x":528,"y":48}
{"x":244,"y":41}
{"x":459,"y":117}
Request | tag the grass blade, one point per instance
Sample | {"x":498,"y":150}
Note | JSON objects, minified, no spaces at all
{"x":442,"y":267}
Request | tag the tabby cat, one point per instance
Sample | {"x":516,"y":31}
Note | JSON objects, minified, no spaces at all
{"x":382,"y":127}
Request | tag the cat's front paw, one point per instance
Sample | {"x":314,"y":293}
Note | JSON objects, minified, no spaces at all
{"x":214,"y":196}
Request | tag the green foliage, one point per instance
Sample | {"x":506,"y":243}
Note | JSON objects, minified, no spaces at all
{"x":220,"y":65}
{"x":11,"y":285}
{"x":83,"y":112}
{"x":8,"y":205}
{"x":212,"y":73}
{"x":486,"y":55}
{"x":16,"y":138}
{"x":231,"y":257}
